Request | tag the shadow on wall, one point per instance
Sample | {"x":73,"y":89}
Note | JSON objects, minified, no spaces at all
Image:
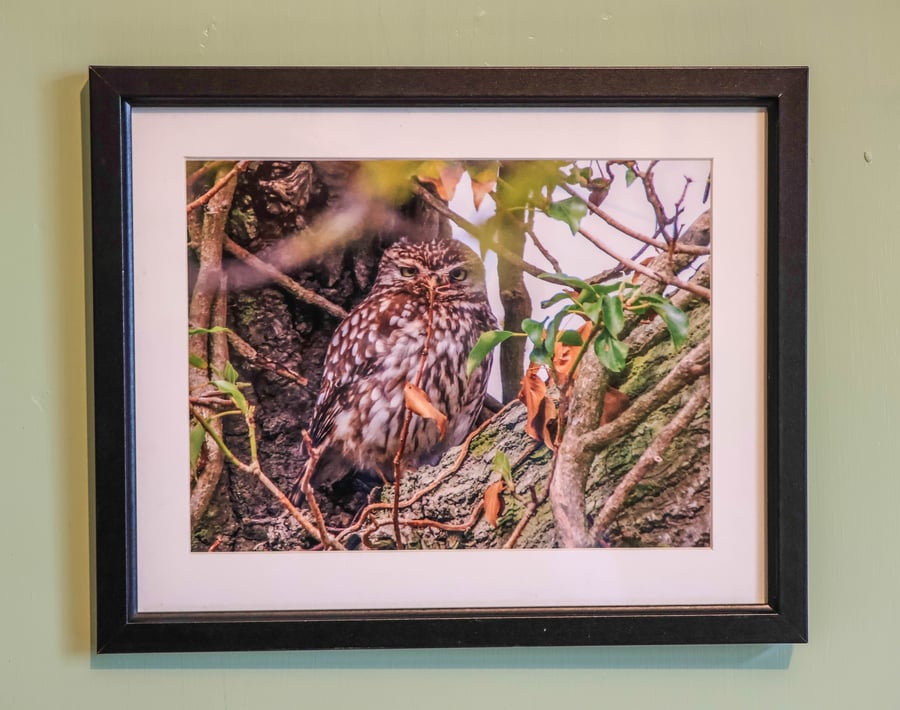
{"x":775,"y":657}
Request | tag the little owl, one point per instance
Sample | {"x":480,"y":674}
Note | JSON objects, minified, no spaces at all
{"x":377,"y":349}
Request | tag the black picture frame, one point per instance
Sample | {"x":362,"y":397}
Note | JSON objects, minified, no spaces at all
{"x":114,"y":91}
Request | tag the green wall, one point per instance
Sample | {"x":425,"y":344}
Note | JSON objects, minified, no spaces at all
{"x":854,"y":60}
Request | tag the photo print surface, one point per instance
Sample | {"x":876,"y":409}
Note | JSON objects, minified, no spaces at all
{"x":446,"y":354}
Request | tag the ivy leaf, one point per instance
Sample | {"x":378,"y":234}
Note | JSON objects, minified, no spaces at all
{"x":571,"y":211}
{"x":197,"y":361}
{"x":610,"y":351}
{"x":613,"y":314}
{"x":487,"y":342}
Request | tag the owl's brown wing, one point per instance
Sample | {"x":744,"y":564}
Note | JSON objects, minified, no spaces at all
{"x":351,"y":358}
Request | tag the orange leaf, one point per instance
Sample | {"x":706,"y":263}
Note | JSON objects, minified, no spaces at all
{"x":450,"y":175}
{"x":493,"y":502}
{"x":480,"y":190}
{"x":541,"y":410}
{"x":443,"y":175}
{"x":417,"y":401}
{"x":614,"y":403}
{"x":564,"y":355}
{"x":484,"y":180}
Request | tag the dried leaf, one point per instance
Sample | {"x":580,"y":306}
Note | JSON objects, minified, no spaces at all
{"x":443,"y":175}
{"x":564,"y":355}
{"x":417,"y":401}
{"x":493,"y":502}
{"x":614,"y":403}
{"x":480,"y":190}
{"x":541,"y":422}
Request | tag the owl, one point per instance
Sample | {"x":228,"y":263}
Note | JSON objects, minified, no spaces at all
{"x":377,"y":349}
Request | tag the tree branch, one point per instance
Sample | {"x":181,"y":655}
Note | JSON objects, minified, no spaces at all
{"x":482,"y":236}
{"x":694,"y":364}
{"x":255,"y":470}
{"x":694,"y":249}
{"x":304,"y":294}
{"x":222,"y":182}
{"x":649,"y":273}
{"x":651,"y":457}
{"x":256,"y":358}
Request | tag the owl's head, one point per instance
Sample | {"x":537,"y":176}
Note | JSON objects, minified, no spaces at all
{"x":449,"y":267}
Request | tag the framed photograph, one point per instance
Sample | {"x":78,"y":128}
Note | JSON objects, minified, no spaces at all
{"x":421,"y":357}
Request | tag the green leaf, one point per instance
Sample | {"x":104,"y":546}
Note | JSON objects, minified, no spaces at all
{"x":572,"y":281}
{"x":487,"y":342}
{"x":555,"y":298}
{"x":552,"y":330}
{"x":630,"y":176}
{"x":613,"y":314}
{"x":534,"y":330}
{"x":593,"y":309}
{"x":502,"y":466}
{"x":676,"y":321}
{"x":230,"y":373}
{"x":197,"y":361}
{"x":570,"y":211}
{"x":231,"y":389}
{"x":571,"y":337}
{"x":198,"y":436}
{"x":610,"y":351}
{"x":540,"y":355}
{"x":600,"y":290}
{"x":578,"y":176}
{"x":214,"y":329}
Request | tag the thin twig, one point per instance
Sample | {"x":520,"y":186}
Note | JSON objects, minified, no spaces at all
{"x":543,"y":250}
{"x":618,"y":226}
{"x":649,"y":273}
{"x":254,"y":357}
{"x":422,"y":492}
{"x":304,"y":294}
{"x":688,"y":369}
{"x":255,"y":470}
{"x":407,"y":416}
{"x":307,"y":489}
{"x":662,"y":219}
{"x":532,"y":507}
{"x":208,"y":195}
{"x":482,"y":236}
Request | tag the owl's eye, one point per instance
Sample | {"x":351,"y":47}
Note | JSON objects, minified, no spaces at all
{"x":458,"y":274}
{"x":408,"y":271}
